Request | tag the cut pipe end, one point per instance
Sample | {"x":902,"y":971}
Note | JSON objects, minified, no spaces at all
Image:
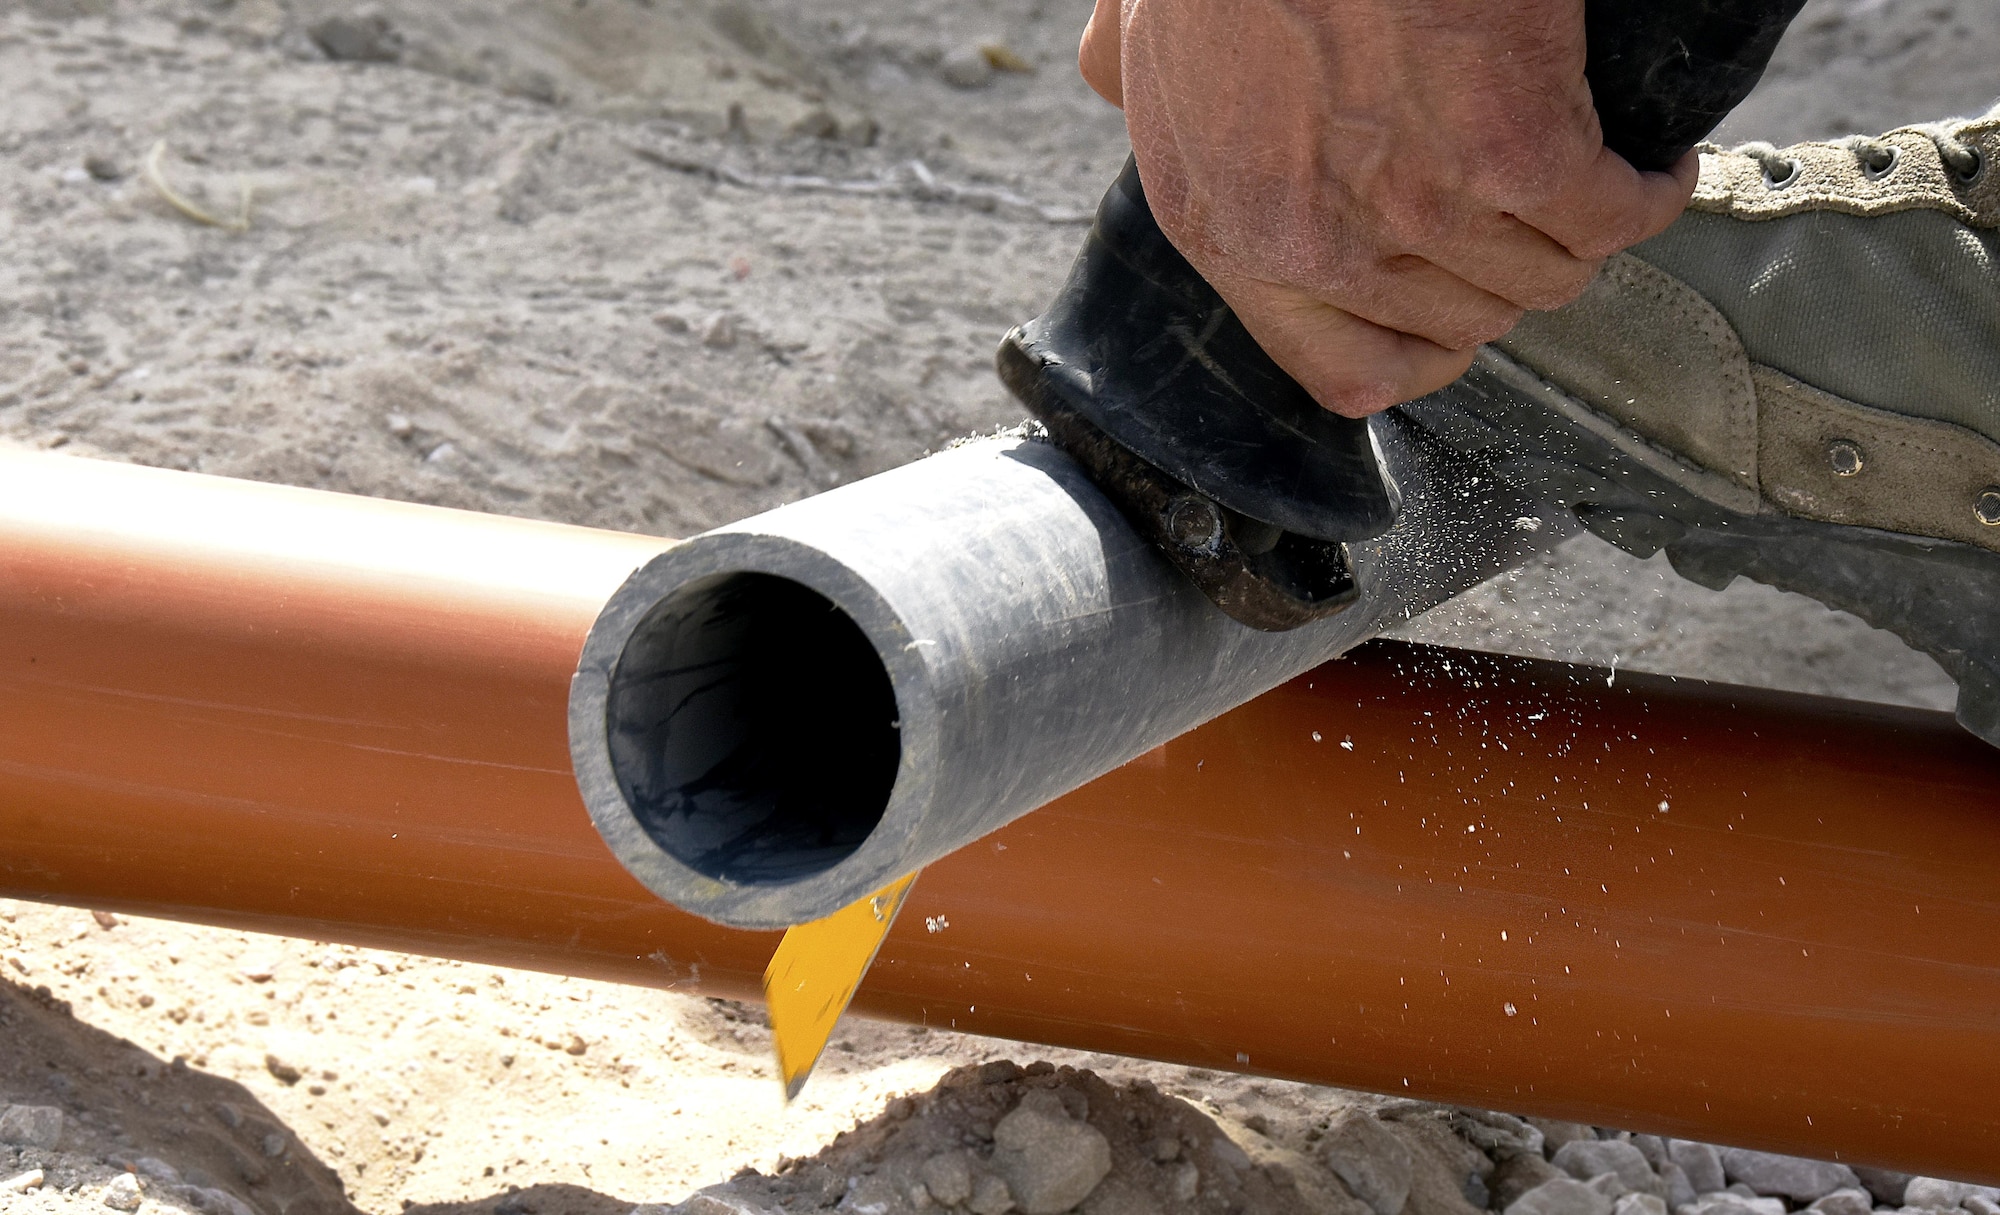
{"x":736,"y":734}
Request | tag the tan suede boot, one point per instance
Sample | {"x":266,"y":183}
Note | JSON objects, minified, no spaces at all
{"x":1798,"y":382}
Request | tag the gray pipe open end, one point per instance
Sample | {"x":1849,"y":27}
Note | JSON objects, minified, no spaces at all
{"x":742,"y":740}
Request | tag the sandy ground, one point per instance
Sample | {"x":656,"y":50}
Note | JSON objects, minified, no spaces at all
{"x":650,"y":265}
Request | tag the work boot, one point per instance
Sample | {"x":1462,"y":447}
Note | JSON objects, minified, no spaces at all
{"x":1799,"y":382}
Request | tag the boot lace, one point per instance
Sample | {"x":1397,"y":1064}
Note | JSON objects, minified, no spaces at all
{"x":1779,"y":169}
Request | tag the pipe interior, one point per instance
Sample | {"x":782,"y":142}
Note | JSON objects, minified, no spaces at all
{"x":753,"y":729}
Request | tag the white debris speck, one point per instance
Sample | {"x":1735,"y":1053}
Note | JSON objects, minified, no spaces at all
{"x":1509,"y":1009}
{"x":1316,"y":737}
{"x":936,"y":923}
{"x":1664,"y":807}
{"x":1347,"y":744}
{"x":22,"y":1183}
{"x":1527,"y":523}
{"x":124,"y":1194}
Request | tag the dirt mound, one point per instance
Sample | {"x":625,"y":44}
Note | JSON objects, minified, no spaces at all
{"x":1046,"y":1139}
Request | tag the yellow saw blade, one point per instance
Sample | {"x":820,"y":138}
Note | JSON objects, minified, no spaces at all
{"x":814,"y":973}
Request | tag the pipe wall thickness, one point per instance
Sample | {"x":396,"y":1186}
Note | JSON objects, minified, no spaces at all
{"x":1723,"y":914}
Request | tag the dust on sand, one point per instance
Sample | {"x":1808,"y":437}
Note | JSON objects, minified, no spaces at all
{"x":651,"y":265}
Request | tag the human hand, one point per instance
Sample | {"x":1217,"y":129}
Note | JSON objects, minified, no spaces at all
{"x":1375,"y":186}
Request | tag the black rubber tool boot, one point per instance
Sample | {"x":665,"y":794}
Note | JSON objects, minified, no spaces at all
{"x":1143,"y":374}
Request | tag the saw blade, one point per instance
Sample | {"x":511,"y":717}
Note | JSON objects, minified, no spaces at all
{"x":814,"y":974}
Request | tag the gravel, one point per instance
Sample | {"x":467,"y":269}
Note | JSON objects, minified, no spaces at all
{"x":124,"y":1193}
{"x":1562,"y":1196}
{"x":1371,"y":1161}
{"x":1846,"y":1201}
{"x":1050,"y":1161}
{"x":31,"y":1125}
{"x":1787,"y":1176}
{"x":1584,"y":1159}
{"x":1942,"y":1195}
{"x":1701,"y":1162}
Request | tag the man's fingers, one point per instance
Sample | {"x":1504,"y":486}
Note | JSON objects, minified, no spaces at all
{"x":1349,"y":365}
{"x":1612,"y":206}
{"x":1099,"y":57}
{"x":1410,"y":295}
{"x":1508,"y":259}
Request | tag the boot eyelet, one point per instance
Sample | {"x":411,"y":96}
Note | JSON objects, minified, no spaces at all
{"x":1878,"y":162}
{"x":1780,"y":173}
{"x":1844,"y":458}
{"x":1986,"y":507}
{"x":1967,"y":177}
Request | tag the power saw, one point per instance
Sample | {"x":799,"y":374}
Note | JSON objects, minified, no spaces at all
{"x":1220,"y":459}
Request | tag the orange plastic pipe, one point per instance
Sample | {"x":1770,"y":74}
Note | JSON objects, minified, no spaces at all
{"x":1740,"y":916}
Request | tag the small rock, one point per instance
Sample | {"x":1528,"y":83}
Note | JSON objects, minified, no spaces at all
{"x":368,"y":38}
{"x":218,"y":1202}
{"x":1498,"y":1135}
{"x":103,"y":168}
{"x":990,"y":1196}
{"x":721,"y":331}
{"x":1050,"y":1161}
{"x":284,"y":1072}
{"x":105,"y":919}
{"x":1887,"y":1185}
{"x":1980,"y":1204}
{"x":1680,"y":1191}
{"x":1561,"y":1196}
{"x":948,"y":1177}
{"x":23,"y":1182}
{"x":966,"y":68}
{"x":1609,"y":1185}
{"x":817,"y":123}
{"x":716,"y":1202}
{"x":1370,"y":1160}
{"x":1584,"y":1159}
{"x":1845,"y":1202}
{"x":1654,"y":1149}
{"x":1723,"y":1202}
{"x":1942,"y":1195}
{"x":260,"y":972}
{"x":155,"y":1169}
{"x":1640,"y":1204}
{"x":31,"y":1125}
{"x":1701,"y":1162}
{"x":1556,"y":1134}
{"x":1515,"y":1177}
{"x":124,"y":1194}
{"x":1786,"y":1176}
{"x":273,"y":1145}
{"x":576,"y":1046}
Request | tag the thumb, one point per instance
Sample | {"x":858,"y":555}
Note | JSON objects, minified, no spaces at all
{"x":1349,"y":365}
{"x":1098,"y":57}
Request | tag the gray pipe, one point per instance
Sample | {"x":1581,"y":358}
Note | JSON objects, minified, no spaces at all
{"x":781,"y":716}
